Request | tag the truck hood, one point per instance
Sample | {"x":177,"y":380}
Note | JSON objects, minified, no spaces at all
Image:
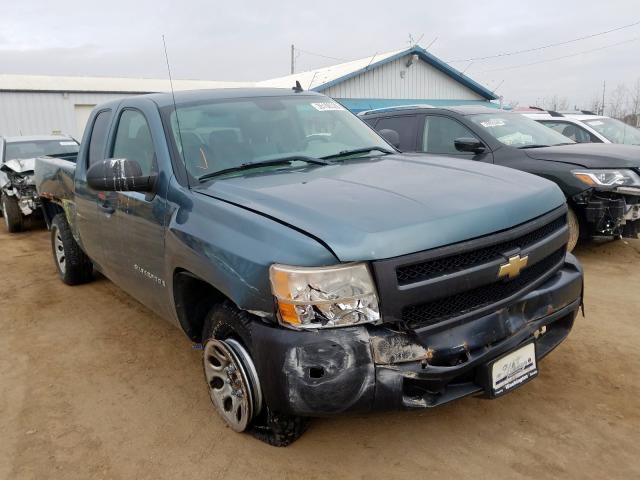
{"x":398,"y":204}
{"x":590,"y":155}
{"x":22,"y":165}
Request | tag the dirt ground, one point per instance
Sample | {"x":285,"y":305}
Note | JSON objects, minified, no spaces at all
{"x":93,"y":385}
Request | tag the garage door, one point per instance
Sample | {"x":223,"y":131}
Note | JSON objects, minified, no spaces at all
{"x":82,"y":115}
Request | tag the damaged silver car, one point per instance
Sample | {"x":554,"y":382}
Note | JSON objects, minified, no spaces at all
{"x":18,"y":194}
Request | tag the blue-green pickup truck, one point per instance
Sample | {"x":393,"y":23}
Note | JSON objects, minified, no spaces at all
{"x":320,"y":270}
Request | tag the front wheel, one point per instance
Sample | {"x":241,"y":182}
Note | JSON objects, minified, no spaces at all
{"x":73,"y":265}
{"x":13,"y":218}
{"x":574,"y":229}
{"x":233,"y":383}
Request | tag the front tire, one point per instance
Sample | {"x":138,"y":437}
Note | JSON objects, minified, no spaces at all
{"x":227,"y":361}
{"x":13,"y":218}
{"x":574,"y":229}
{"x":73,"y":265}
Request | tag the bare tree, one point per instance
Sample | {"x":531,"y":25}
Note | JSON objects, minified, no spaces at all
{"x":618,"y":101}
{"x":555,"y":103}
{"x":635,"y":102}
{"x":596,"y":103}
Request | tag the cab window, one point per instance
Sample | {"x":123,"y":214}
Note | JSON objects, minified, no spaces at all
{"x":406,"y":127}
{"x":572,"y":131}
{"x":133,"y":141}
{"x":440,"y":134}
{"x":98,"y":140}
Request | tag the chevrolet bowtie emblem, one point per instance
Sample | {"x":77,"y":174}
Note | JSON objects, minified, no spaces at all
{"x":512,"y":268}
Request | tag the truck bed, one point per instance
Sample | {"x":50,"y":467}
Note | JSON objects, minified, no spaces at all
{"x":54,"y":178}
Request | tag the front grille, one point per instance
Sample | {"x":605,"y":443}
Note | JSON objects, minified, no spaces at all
{"x":430,"y":313}
{"x":417,"y":272}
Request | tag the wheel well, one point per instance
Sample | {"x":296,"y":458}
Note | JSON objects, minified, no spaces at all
{"x":50,"y":210}
{"x":193,"y":299}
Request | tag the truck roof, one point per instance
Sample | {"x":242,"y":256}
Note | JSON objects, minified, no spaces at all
{"x":166,"y":98}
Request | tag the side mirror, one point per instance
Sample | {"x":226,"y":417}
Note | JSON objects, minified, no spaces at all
{"x":390,"y":136}
{"x":119,"y":175}
{"x":471,"y":145}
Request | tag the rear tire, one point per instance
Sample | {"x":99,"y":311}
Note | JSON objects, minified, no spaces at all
{"x":73,"y":265}
{"x":574,"y":229}
{"x":225,"y":322}
{"x":13,"y":218}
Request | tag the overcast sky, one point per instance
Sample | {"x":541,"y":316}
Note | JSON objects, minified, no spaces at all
{"x":249,"y":40}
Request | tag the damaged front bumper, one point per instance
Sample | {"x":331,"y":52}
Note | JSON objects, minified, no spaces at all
{"x":27,"y":197}
{"x":325,"y":372}
{"x":611,"y":212}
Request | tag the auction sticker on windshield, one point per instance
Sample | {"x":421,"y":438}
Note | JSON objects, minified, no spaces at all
{"x":327,"y":106}
{"x":513,"y":370}
{"x":494,"y":122}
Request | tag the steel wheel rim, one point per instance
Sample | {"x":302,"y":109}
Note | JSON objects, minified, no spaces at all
{"x":58,"y":250}
{"x":228,"y":385}
{"x":252,"y":373}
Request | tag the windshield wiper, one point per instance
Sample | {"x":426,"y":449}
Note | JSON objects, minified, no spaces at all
{"x":265,"y":163}
{"x":535,"y":145}
{"x":346,"y":153}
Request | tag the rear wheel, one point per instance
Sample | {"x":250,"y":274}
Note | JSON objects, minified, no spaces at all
{"x":13,"y":218}
{"x":73,"y":265}
{"x":574,"y":229}
{"x":233,"y":383}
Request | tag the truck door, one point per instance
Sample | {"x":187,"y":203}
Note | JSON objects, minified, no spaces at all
{"x":88,"y":220}
{"x":140,"y":216}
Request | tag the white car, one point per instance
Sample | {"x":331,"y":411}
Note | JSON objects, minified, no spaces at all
{"x":586,"y":127}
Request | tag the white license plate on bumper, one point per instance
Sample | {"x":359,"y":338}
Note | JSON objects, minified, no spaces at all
{"x":513,"y":370}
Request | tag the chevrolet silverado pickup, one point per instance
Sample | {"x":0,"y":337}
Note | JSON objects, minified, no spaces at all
{"x":320,"y":271}
{"x":601,"y":182}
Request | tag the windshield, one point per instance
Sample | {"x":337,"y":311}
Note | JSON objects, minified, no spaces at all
{"x":223,"y":135}
{"x":615,"y":131}
{"x":518,"y":131}
{"x":39,"y":148}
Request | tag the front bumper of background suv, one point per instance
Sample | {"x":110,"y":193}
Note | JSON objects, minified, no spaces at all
{"x":610,"y":212}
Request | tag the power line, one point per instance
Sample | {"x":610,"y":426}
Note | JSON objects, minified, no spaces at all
{"x":321,"y":55}
{"x":567,"y":42}
{"x":562,"y":57}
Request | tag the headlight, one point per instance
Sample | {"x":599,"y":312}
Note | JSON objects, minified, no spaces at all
{"x":324,"y":297}
{"x":608,"y":178}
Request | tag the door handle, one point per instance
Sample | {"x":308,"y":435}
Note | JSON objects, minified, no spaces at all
{"x":106,"y":208}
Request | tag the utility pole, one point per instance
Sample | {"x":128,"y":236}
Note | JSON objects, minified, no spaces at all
{"x":293,"y":60}
{"x":604,"y":86}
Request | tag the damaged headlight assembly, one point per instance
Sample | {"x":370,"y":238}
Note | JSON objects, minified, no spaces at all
{"x":608,"y":178}
{"x":324,"y":297}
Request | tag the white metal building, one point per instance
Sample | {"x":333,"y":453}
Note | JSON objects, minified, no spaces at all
{"x":401,"y":77}
{"x":33,"y":104}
